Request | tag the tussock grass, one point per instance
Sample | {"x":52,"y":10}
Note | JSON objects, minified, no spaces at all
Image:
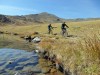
{"x":90,"y":53}
{"x":81,"y":57}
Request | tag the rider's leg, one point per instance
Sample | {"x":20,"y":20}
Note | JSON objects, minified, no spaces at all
{"x":66,"y":33}
{"x":51,"y":31}
{"x":62,"y":32}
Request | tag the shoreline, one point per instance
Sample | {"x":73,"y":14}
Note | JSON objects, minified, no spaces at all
{"x":53,"y":67}
{"x":15,"y":45}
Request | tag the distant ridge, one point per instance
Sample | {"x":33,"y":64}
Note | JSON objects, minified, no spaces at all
{"x":37,"y":18}
{"x":32,"y":18}
{"x":44,"y":18}
{"x":4,"y":19}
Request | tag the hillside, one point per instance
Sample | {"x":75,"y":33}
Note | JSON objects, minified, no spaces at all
{"x":32,"y":18}
{"x":43,"y":18}
{"x":4,"y":19}
{"x":38,"y":18}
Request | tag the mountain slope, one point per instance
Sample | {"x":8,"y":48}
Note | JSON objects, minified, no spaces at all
{"x":4,"y":19}
{"x":44,"y":17}
{"x":37,"y":18}
{"x":32,"y":18}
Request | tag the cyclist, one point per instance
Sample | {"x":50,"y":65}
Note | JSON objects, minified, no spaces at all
{"x":64,"y":29}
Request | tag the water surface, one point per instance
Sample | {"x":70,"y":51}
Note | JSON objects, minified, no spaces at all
{"x":14,"y":60}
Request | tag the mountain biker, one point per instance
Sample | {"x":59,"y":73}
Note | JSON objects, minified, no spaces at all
{"x":64,"y":31}
{"x":50,"y":29}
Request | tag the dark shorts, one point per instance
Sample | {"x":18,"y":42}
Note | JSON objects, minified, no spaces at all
{"x":49,"y":29}
{"x":63,"y":29}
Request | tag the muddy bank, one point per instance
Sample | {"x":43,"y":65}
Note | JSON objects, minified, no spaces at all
{"x":48,"y":65}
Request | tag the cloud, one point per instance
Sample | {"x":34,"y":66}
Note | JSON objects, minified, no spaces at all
{"x":5,"y":7}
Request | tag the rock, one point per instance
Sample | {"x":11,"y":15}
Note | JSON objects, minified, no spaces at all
{"x":29,"y":38}
{"x":37,"y":51}
{"x":36,"y":40}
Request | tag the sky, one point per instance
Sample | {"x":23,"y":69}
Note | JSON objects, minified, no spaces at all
{"x":67,"y":9}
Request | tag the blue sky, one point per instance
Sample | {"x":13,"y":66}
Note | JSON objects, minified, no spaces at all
{"x":62,"y":8}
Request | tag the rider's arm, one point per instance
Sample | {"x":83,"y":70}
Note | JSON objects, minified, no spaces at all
{"x":67,"y":26}
{"x":51,"y":27}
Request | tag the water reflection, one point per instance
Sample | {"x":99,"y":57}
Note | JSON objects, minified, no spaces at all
{"x":12,"y":60}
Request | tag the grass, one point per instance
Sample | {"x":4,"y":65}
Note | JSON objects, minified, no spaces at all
{"x":82,"y":58}
{"x":79,"y":53}
{"x":76,"y":28}
{"x":9,"y":41}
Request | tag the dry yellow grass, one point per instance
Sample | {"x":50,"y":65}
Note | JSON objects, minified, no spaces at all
{"x":79,"y":53}
{"x":76,"y":28}
{"x":80,"y":57}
